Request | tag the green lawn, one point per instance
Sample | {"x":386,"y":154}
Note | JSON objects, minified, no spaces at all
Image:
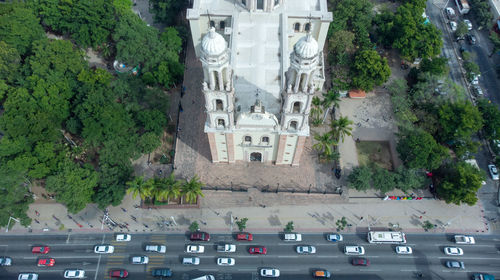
{"x":376,"y":152}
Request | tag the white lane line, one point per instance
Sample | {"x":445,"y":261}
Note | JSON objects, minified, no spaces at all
{"x":452,"y":271}
{"x":99,"y":260}
{"x":327,"y":256}
{"x":246,"y":269}
{"x":288,"y":256}
{"x":409,"y":270}
{"x":370,"y":270}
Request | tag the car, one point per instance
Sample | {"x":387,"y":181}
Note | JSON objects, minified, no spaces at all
{"x":161,"y":272}
{"x":453,"y":251}
{"x":334,"y":237}
{"x":199,"y":236}
{"x":475,"y":79}
{"x":123,"y":237}
{"x":46,"y":262}
{"x":453,"y":26}
{"x":270,"y":272}
{"x":191,"y":261}
{"x":292,"y":237}
{"x":155,"y":248}
{"x":258,"y":250}
{"x":482,"y":276}
{"x":404,"y":250}
{"x":471,"y":39}
{"x":244,"y":236}
{"x":321,"y":273}
{"x":450,"y":12}
{"x":455,"y":264}
{"x":354,"y":250}
{"x":493,"y":171}
{"x":74,"y":274}
{"x":225,"y":261}
{"x":27,"y":276}
{"x":468,"y":23}
{"x":140,"y":260}
{"x":103,"y":249}
{"x":360,"y":262}
{"x":477,"y":90}
{"x":40,"y":250}
{"x":205,"y":277}
{"x":5,"y":261}
{"x":464,"y":239}
{"x":196,"y":249}
{"x":307,"y":249}
{"x":459,"y":38}
{"x":118,"y":273}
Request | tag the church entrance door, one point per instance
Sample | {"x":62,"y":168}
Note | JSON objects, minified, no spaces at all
{"x":256,"y":157}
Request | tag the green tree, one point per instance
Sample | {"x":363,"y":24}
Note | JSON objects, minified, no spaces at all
{"x":402,"y":105}
{"x":316,"y":111}
{"x":419,"y":150}
{"x":480,"y":9}
{"x":341,"y":128}
{"x":140,"y":187}
{"x":289,"y":227}
{"x":360,"y":178}
{"x":495,"y":40}
{"x":409,"y":179}
{"x":242,"y":224}
{"x":10,"y":62}
{"x":166,"y":11}
{"x":462,"y":29}
{"x":341,"y":224}
{"x":112,"y":184}
{"x":460,"y":183}
{"x":152,"y":120}
{"x":427,"y":225}
{"x":436,"y":66}
{"x":16,"y":197}
{"x":191,"y":189}
{"x":354,"y":16}
{"x":341,"y":47}
{"x":331,"y":98}
{"x":194,"y":226}
{"x":148,"y":142}
{"x":459,"y":120}
{"x":383,"y":180}
{"x":491,"y":117}
{"x":325,"y":143}
{"x":167,"y":188}
{"x":369,"y":70}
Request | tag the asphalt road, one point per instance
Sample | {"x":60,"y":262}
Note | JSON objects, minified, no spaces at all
{"x":76,"y":251}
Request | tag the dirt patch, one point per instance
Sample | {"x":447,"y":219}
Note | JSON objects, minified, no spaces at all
{"x":374,"y":152}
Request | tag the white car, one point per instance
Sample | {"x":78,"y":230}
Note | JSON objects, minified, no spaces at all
{"x":28,"y":276}
{"x":453,"y":251}
{"x":140,"y":260}
{"x":453,"y":26}
{"x":191,"y":261}
{"x":334,"y":237}
{"x":225,"y":261}
{"x":306,"y":249}
{"x":450,"y":12}
{"x":468,"y":23}
{"x":123,"y":237}
{"x":156,"y":248}
{"x":354,"y":250}
{"x":74,"y":274}
{"x":475,"y":80}
{"x":196,"y":249}
{"x":493,"y":171}
{"x":404,"y":250}
{"x":104,"y":249}
{"x":270,"y":272}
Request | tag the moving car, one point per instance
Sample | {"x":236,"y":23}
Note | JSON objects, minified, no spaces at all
{"x":404,"y":250}
{"x":307,"y":249}
{"x":482,"y":276}
{"x":163,"y":272}
{"x":270,"y":272}
{"x":123,"y":237}
{"x":200,"y":236}
{"x":196,"y":249}
{"x":468,"y":23}
{"x":191,"y":261}
{"x":453,"y":26}
{"x":244,"y":236}
{"x":493,"y":171}
{"x":28,"y":276}
{"x":360,"y":262}
{"x":74,"y":274}
{"x":40,"y":249}
{"x":334,"y":237}
{"x":292,"y":237}
{"x":155,"y":248}
{"x":354,"y":250}
{"x":226,"y":248}
{"x":205,"y":277}
{"x":5,"y":261}
{"x":104,"y":249}
{"x":321,"y":273}
{"x":453,"y":251}
{"x":118,"y":273}
{"x":455,"y":264}
{"x":46,"y":262}
{"x":258,"y":250}
{"x":225,"y":261}
{"x":471,"y":39}
{"x":140,"y":260}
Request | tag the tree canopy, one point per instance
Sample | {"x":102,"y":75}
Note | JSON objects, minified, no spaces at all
{"x":459,"y":120}
{"x":370,"y":70}
{"x":419,"y":150}
{"x":460,"y":183}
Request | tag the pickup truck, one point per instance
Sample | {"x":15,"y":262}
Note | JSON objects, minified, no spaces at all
{"x":226,"y":248}
{"x":464,"y":239}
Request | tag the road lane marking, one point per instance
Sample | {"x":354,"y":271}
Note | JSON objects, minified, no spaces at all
{"x":63,"y":257}
{"x":370,"y":270}
{"x":246,"y":269}
{"x":288,"y":256}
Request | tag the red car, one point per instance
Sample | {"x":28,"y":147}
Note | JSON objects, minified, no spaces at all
{"x":200,"y":236}
{"x":46,"y":262}
{"x":118,"y":273}
{"x":360,"y":261}
{"x":40,"y":250}
{"x":244,"y":236}
{"x":259,"y":250}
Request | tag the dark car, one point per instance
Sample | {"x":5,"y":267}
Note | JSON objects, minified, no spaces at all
{"x":200,"y":236}
{"x":471,"y":39}
{"x":360,"y":261}
{"x":5,"y":261}
{"x":118,"y":273}
{"x":161,"y":272}
{"x":40,"y":250}
{"x":244,"y":236}
{"x":259,"y":250}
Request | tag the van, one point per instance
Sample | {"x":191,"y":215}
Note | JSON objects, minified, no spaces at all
{"x":292,"y":237}
{"x":354,"y":250}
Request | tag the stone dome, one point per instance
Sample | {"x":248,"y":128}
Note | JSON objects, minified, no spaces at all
{"x":213,"y":43}
{"x":306,"y":47}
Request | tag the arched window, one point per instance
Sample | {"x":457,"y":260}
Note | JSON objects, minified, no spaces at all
{"x":221,"y":123}
{"x":296,"y":107}
{"x":219,"y":106}
{"x":212,"y":23}
{"x":307,"y":27}
{"x":296,"y":27}
{"x":293,"y":125}
{"x":265,"y":140}
{"x":260,"y":4}
{"x":222,"y":25}
{"x":248,"y":140}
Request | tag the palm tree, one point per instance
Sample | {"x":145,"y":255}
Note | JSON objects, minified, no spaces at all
{"x":167,"y":188}
{"x":331,"y":98}
{"x":325,"y":144}
{"x":140,"y":187}
{"x":341,"y":128}
{"x":192,"y":189}
{"x":316,"y":111}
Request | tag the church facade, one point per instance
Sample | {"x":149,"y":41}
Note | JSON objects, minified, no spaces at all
{"x":262,"y":64}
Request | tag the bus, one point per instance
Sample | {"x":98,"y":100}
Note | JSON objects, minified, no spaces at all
{"x":463,"y":6}
{"x":387,"y":237}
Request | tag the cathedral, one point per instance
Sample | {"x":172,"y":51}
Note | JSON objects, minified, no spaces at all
{"x":262,"y":64}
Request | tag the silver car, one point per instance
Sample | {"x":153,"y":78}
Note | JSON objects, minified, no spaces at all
{"x":74,"y":274}
{"x":140,"y":260}
{"x":5,"y":261}
{"x":28,"y":276}
{"x":493,"y":171}
{"x":156,"y":248}
{"x":306,"y":249}
{"x":270,"y":272}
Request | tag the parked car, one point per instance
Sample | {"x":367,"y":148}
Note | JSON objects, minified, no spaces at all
{"x":258,"y":250}
{"x":244,"y":236}
{"x":464,"y":239}
{"x":104,"y":249}
{"x":270,"y":272}
{"x":471,"y":39}
{"x":493,"y":171}
{"x":123,"y":237}
{"x":450,"y":13}
{"x":468,"y":23}
{"x":40,"y":250}
{"x":307,"y":249}
{"x":162,"y":272}
{"x":334,"y":237}
{"x":453,"y":251}
{"x":196,"y":249}
{"x":292,"y":237}
{"x":453,"y":26}
{"x":476,"y":89}
{"x":155,"y":248}
{"x":199,"y":236}
{"x":225,"y":261}
{"x":74,"y":274}
{"x":455,"y":264}
{"x":46,"y":262}
{"x":321,"y":273}
{"x":118,"y":273}
{"x":404,"y":250}
{"x":191,"y":261}
{"x":360,"y":262}
{"x":139,"y":260}
{"x":5,"y":261}
{"x":475,"y":79}
{"x":27,"y":276}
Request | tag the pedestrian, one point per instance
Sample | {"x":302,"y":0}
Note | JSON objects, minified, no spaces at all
{"x":37,"y":213}
{"x":360,"y":218}
{"x":124,"y":210}
{"x":420,"y":217}
{"x":425,"y":212}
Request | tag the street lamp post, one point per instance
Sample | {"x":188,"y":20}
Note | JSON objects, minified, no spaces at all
{"x":8,"y":224}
